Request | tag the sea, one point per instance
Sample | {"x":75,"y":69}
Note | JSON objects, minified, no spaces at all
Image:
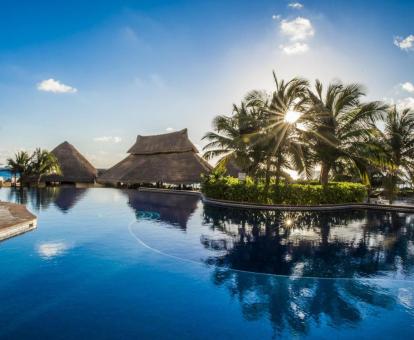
{"x":5,"y":173}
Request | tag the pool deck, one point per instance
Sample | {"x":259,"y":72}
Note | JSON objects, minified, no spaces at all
{"x":15,"y":219}
{"x":322,"y":207}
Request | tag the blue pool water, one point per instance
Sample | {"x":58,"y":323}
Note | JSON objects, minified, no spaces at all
{"x":122,"y":264}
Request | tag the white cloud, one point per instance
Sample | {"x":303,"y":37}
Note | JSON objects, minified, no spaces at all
{"x":170,"y":129}
{"x":295,"y":5}
{"x":55,"y":86}
{"x":295,"y":48}
{"x":298,"y":29}
{"x":407,"y":86}
{"x":406,"y":103}
{"x":108,"y":139}
{"x":52,"y":249}
{"x":276,"y":17}
{"x":405,"y":43}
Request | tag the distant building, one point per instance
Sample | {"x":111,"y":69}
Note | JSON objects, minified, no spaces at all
{"x":167,"y":158}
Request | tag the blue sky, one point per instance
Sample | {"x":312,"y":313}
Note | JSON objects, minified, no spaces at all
{"x":97,"y":73}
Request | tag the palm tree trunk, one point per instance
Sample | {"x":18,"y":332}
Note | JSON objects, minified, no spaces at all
{"x":267,"y":176}
{"x":278,"y":168}
{"x":324,"y":177}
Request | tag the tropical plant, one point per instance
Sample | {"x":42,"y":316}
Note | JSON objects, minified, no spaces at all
{"x":339,"y":127}
{"x":40,"y":163}
{"x":396,"y":141}
{"x":232,"y":138}
{"x":43,"y":162}
{"x":19,"y":166}
{"x":280,"y":135}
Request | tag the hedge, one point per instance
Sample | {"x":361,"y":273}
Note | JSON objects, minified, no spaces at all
{"x":233,"y":189}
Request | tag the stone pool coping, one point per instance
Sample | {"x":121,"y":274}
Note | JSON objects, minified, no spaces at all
{"x":321,"y":207}
{"x":15,"y":219}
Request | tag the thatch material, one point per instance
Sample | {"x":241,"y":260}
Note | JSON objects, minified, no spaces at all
{"x":165,"y":143}
{"x":74,"y":166}
{"x":169,"y":158}
{"x":173,"y":209}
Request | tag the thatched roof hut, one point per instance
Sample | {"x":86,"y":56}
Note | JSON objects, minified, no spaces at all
{"x":74,"y":166}
{"x":168,"y":158}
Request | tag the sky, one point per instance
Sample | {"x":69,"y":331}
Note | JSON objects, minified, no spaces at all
{"x":98,"y":73}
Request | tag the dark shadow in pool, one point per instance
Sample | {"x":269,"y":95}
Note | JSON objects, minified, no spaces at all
{"x":64,"y":198}
{"x":312,"y":244}
{"x":68,"y":197}
{"x":295,"y":306}
{"x":309,"y":244}
{"x":173,"y":209}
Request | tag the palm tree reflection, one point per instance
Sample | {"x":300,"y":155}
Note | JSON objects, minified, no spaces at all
{"x":336,"y":244}
{"x":63,"y":197}
{"x":354,"y":244}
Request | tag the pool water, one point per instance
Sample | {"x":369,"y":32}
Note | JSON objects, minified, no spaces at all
{"x":120,"y":264}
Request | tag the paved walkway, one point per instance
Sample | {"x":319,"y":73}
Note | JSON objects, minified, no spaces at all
{"x":15,"y":219}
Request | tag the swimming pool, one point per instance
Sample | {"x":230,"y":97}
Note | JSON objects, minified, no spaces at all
{"x":109,"y":263}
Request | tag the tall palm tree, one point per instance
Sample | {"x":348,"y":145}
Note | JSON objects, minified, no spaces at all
{"x":339,"y":126}
{"x":232,"y":138}
{"x":396,"y":141}
{"x":281,"y":135}
{"x":19,"y":166}
{"x":43,"y":162}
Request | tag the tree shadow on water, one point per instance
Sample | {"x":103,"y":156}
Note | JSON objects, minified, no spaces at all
{"x":325,"y":260}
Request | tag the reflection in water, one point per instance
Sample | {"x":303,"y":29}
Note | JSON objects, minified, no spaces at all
{"x":355,"y":244}
{"x":67,"y":197}
{"x":173,"y":209}
{"x":313,"y":244}
{"x":358,"y":245}
{"x":296,"y":305}
{"x":63,"y":197}
{"x":51,"y":249}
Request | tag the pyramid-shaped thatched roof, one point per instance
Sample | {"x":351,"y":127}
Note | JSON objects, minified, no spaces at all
{"x":165,"y":143}
{"x":168,"y":158}
{"x":74,"y":166}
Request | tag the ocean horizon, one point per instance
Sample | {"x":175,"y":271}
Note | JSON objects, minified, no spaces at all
{"x":5,"y":173}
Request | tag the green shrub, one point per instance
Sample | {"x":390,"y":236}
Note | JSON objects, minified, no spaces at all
{"x":231,"y":189}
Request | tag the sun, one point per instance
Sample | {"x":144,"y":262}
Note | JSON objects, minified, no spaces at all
{"x":292,"y":116}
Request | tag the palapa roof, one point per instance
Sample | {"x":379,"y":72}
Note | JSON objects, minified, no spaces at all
{"x":74,"y":166}
{"x":168,"y":142}
{"x":169,"y":158}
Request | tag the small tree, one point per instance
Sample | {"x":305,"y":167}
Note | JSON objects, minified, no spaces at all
{"x":42,"y":163}
{"x":19,"y":166}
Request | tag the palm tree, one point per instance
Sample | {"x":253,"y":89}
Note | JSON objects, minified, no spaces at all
{"x":232,"y":139}
{"x":339,"y":126}
{"x":281,"y":135}
{"x":19,"y":165}
{"x":396,"y":141}
{"x":43,"y":162}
